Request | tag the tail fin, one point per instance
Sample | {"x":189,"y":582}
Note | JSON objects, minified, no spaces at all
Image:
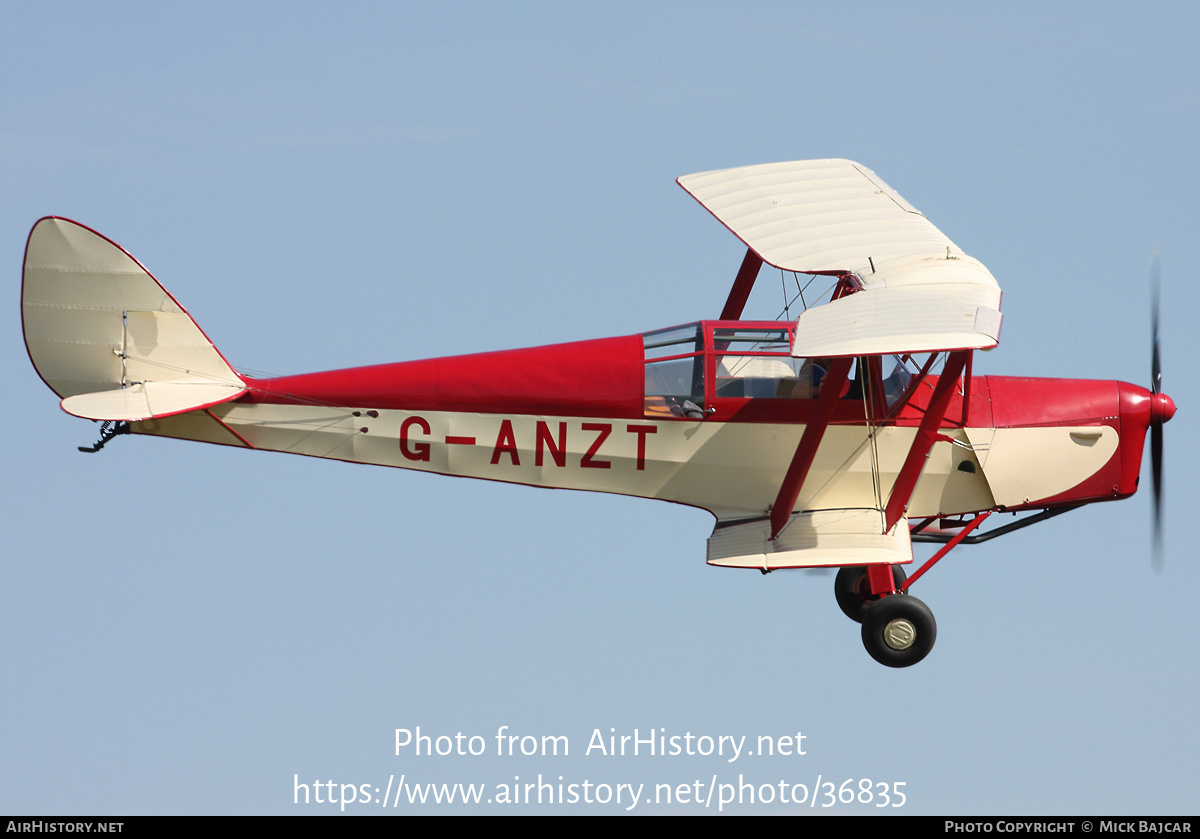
{"x":107,"y":338}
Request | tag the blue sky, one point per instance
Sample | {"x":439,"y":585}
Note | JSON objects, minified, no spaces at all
{"x":188,"y":628}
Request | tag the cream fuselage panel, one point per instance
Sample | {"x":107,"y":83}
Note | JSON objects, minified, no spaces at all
{"x":1024,"y":465}
{"x":731,"y":469}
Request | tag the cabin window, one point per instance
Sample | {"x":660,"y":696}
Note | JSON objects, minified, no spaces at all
{"x":758,"y":364}
{"x":675,"y":372}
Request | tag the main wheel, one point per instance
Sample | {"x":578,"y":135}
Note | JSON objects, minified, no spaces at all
{"x":898,"y":630}
{"x":853,"y":592}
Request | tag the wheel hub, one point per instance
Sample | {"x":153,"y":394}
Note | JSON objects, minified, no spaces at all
{"x":899,"y":634}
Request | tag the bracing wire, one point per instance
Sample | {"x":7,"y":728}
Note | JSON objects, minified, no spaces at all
{"x":800,"y":292}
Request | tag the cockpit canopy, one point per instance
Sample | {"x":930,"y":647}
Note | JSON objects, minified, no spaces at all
{"x":693,"y":369}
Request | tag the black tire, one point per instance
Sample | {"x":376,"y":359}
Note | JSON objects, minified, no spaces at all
{"x":899,"y":630}
{"x":854,"y":595}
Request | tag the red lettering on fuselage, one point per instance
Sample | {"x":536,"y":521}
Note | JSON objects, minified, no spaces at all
{"x":416,"y":451}
{"x":545,"y":441}
{"x":641,"y":431}
{"x":588,"y":460}
{"x":557,"y":452}
{"x":506,"y":443}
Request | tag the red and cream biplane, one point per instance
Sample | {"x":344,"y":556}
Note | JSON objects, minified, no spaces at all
{"x":833,"y":440}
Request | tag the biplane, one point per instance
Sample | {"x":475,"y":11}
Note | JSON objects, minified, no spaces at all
{"x":836,"y":439}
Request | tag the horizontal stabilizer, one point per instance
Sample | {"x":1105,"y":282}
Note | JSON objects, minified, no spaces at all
{"x":150,"y":399}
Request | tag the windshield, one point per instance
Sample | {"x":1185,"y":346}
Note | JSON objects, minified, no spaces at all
{"x":675,"y":372}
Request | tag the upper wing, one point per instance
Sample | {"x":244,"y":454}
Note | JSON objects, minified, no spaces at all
{"x":919,"y":291}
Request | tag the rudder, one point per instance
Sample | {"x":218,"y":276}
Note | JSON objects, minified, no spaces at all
{"x":107,"y":337}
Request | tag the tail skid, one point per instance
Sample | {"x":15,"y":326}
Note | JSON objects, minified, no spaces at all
{"x":108,"y":430}
{"x":107,"y":337}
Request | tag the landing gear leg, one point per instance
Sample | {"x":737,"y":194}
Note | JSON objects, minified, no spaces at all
{"x":898,"y":630}
{"x":853,"y":590}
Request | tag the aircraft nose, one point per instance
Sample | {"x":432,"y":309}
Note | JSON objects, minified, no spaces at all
{"x":1162,"y":408}
{"x":1142,"y":414}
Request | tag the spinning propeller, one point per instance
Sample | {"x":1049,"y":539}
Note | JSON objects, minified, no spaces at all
{"x":1162,"y":409}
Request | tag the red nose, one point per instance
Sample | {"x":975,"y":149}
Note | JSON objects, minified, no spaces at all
{"x":1140,"y":411}
{"x":1162,"y":408}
